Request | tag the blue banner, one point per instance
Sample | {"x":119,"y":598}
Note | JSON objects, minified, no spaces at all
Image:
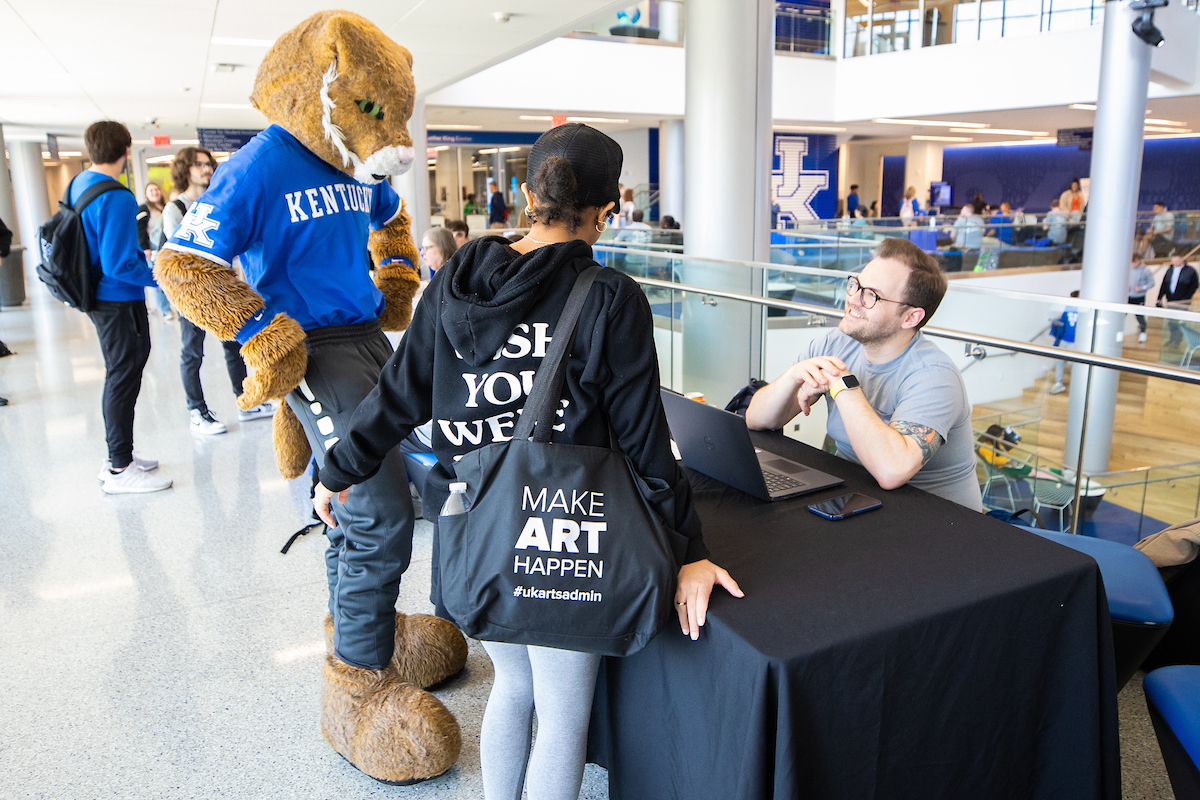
{"x":469,"y":138}
{"x":804,"y":177}
{"x":224,"y":140}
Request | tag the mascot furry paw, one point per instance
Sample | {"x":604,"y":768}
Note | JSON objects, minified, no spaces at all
{"x":300,"y":207}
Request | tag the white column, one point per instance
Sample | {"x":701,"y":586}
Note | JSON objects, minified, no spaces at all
{"x":1116,"y":173}
{"x":670,"y":20}
{"x":413,"y":186}
{"x":670,"y":169}
{"x":922,"y":166}
{"x":29,"y":191}
{"x":8,"y":211}
{"x":726,"y":205}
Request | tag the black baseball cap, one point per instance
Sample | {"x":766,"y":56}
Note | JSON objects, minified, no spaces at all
{"x":595,"y":159}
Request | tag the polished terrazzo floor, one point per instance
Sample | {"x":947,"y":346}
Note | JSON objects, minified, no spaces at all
{"x":159,"y":646}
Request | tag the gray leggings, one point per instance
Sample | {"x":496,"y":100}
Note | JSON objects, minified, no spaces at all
{"x":560,"y":685}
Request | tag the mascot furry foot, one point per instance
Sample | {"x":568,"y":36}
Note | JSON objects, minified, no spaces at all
{"x":386,"y":728}
{"x":428,"y":649}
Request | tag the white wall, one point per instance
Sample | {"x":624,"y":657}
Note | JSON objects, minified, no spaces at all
{"x":864,"y":166}
{"x":635,"y":143}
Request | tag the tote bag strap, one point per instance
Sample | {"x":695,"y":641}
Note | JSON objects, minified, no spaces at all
{"x":547,"y":384}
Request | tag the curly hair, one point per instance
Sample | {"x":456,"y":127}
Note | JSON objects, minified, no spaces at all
{"x":556,"y":190}
{"x":183,"y":162}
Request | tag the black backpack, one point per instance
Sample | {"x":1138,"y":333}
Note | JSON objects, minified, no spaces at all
{"x":66,"y":267}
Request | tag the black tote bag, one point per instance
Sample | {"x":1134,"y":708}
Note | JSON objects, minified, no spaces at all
{"x":562,"y":545}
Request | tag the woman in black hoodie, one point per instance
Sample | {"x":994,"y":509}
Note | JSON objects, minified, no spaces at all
{"x":468,"y":360}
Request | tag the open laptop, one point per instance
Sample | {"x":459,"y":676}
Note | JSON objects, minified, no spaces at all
{"x":717,"y":443}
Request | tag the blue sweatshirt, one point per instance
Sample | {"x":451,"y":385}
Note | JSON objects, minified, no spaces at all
{"x":300,"y":228}
{"x":110,"y":222}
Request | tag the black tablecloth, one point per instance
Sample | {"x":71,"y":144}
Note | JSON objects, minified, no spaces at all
{"x":918,"y":651}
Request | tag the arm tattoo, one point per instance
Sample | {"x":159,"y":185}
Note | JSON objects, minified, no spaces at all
{"x":926,"y":438}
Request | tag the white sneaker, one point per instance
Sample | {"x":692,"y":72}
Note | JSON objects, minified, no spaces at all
{"x":132,"y":480}
{"x":206,"y":424}
{"x":258,"y":412}
{"x":1057,"y":388}
{"x":144,"y":464}
{"x":1142,"y":337}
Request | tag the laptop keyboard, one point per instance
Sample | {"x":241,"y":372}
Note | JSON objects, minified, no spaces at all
{"x":780,"y":483}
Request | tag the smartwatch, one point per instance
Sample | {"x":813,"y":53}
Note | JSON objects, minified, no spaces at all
{"x":841,"y":384}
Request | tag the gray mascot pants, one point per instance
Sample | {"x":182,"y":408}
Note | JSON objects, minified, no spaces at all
{"x":372,"y":543}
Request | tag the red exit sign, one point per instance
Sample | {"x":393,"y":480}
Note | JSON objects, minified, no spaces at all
{"x":160,"y":141}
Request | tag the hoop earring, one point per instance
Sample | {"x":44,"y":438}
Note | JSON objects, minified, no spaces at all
{"x":602,"y":225}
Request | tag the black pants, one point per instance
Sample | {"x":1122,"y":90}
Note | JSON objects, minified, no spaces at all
{"x":372,"y":544}
{"x":192,"y":356}
{"x":1139,"y":301}
{"x":124,"y":332}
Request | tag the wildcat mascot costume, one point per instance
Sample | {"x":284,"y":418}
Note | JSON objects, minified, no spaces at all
{"x":301,"y":206}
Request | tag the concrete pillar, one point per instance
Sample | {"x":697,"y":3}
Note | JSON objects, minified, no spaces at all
{"x":922,"y":166}
{"x":670,"y":20}
{"x":1116,"y":173}
{"x":8,"y":211}
{"x":670,"y":169}
{"x":413,"y":186}
{"x":29,"y":191}
{"x":446,"y":171}
{"x":726,"y":200}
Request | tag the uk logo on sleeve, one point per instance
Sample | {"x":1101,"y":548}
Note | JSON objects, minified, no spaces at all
{"x":196,"y":225}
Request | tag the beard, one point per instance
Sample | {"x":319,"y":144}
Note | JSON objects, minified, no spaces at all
{"x":863,"y":331}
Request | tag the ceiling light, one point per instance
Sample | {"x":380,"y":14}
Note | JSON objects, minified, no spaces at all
{"x":1160,"y":129}
{"x":1002,"y":131}
{"x":1166,"y":122}
{"x":227,"y":105}
{"x":489,"y":151}
{"x":1144,"y":27}
{"x":440,"y":148}
{"x":448,"y":127}
{"x":530,"y":118}
{"x":943,"y":138}
{"x":1041,"y":140}
{"x":934,"y":122}
{"x":509,"y":149}
{"x":1083,"y":106}
{"x":818,"y":128}
{"x":160,"y":159}
{"x":65,"y":154}
{"x":242,"y":42}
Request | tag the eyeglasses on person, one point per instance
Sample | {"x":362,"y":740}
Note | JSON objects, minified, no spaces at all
{"x":869,"y":296}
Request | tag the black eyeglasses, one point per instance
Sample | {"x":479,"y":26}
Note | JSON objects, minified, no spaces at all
{"x":203,"y":164}
{"x":869,"y":296}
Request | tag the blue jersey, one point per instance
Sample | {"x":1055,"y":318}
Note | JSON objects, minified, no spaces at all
{"x":299,"y":227}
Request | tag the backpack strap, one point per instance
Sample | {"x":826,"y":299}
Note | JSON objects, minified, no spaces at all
{"x":179,"y":204}
{"x":547,"y":384}
{"x":91,"y":194}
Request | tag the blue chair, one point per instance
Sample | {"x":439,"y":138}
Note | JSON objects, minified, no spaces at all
{"x":1173,"y":697}
{"x":1138,"y":602}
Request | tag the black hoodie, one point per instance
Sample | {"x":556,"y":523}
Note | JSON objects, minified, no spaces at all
{"x":468,"y":359}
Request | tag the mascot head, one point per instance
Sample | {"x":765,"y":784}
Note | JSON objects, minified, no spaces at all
{"x":344,"y":89}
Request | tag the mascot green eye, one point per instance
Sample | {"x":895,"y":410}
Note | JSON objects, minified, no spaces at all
{"x":371,"y":109}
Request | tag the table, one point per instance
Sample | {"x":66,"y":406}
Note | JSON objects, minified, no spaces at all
{"x":918,"y":651}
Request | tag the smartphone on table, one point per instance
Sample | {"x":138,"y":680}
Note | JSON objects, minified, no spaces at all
{"x":845,"y":506}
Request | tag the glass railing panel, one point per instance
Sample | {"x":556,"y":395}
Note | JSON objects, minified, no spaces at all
{"x":895,"y":25}
{"x":802,"y":28}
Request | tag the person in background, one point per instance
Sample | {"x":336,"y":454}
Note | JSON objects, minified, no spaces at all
{"x":437,"y":246}
{"x":150,"y":237}
{"x":1056,"y":223}
{"x":627,"y":208}
{"x":1063,"y":330}
{"x":497,"y":208}
{"x":110,"y":224}
{"x":1003,"y":219}
{"x":910,"y":208}
{"x":1160,"y":238}
{"x":470,"y":207}
{"x":461,"y":232}
{"x":191,"y":172}
{"x":6,"y":238}
{"x":852,"y":201}
{"x":897,"y":403}
{"x":978,"y":205}
{"x":1024,"y":222}
{"x":1072,"y":203}
{"x":873,"y":211}
{"x":1178,"y":286}
{"x":968,"y":229}
{"x":1141,"y":280}
{"x":636,"y":235}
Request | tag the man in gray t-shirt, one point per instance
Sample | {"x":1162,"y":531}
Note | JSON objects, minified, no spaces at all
{"x":897,"y":403}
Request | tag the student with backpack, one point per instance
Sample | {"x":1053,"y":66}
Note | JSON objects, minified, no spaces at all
{"x":191,"y":172}
{"x":120,"y":274}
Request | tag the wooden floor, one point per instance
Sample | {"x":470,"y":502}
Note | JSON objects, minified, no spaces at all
{"x":1157,"y":425}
